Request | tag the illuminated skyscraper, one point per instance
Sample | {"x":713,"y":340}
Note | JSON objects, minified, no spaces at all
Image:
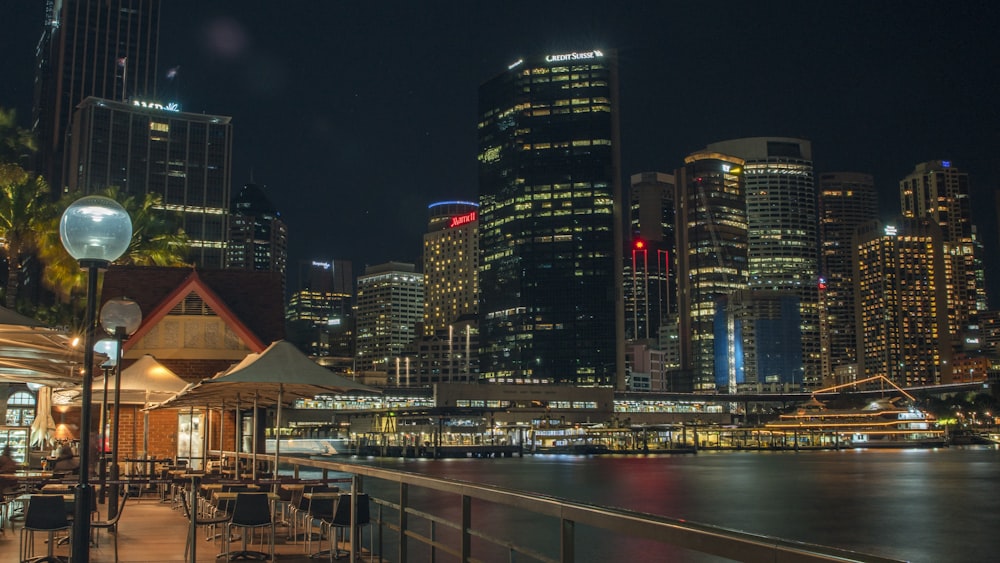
{"x":712,"y":255}
{"x":902,"y":303}
{"x":320,"y":312}
{"x":149,"y":148}
{"x":451,"y":264}
{"x":782,"y":229}
{"x":939,"y":192}
{"x":758,"y":346}
{"x":550,"y":230}
{"x":847,"y":200}
{"x":390,"y":309}
{"x":258,"y":238}
{"x":651,"y":278}
{"x":101,"y":48}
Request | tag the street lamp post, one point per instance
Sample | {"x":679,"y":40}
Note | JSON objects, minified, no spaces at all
{"x":96,"y":231}
{"x":104,"y":346}
{"x":120,"y":318}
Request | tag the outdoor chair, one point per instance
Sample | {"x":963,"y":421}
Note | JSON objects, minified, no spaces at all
{"x":45,"y":513}
{"x":110,"y":525}
{"x":250,"y":511}
{"x":299,"y":511}
{"x":320,"y":510}
{"x":209,"y":522}
{"x":341,"y":522}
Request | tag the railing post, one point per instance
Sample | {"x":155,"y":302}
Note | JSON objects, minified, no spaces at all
{"x":466,"y":526}
{"x":567,"y":551}
{"x":404,"y":503}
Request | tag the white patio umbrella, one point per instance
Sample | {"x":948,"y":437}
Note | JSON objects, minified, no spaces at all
{"x":44,"y":426}
{"x":277,"y":376}
{"x":31,"y":352}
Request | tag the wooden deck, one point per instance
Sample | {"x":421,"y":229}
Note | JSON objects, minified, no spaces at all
{"x":151,"y":531}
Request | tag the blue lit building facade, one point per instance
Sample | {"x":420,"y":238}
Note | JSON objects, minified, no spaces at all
{"x":550,"y":231}
{"x":758,"y":344}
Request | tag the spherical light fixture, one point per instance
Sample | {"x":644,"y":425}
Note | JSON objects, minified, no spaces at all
{"x":121,"y":313}
{"x":96,"y":231}
{"x":95,"y":228}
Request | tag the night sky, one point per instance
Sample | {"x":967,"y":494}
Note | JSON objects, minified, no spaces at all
{"x":357,"y":115}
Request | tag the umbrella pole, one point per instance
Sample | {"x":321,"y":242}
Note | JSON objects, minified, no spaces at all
{"x":253,"y":446}
{"x":222,"y":434}
{"x":238,"y":444}
{"x":206,"y":432}
{"x":191,"y":437}
{"x":277,"y":435}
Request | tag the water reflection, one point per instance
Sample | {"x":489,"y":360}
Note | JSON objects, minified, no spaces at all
{"x":918,"y":505}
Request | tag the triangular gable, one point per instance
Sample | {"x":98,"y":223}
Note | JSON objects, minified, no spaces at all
{"x":194,"y":284}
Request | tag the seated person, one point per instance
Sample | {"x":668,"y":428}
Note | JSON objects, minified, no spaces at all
{"x":65,"y":462}
{"x":7,"y":465}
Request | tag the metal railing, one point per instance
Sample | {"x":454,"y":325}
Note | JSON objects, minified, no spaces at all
{"x":402,"y":524}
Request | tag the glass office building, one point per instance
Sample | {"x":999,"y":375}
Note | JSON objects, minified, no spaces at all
{"x":550,"y":234}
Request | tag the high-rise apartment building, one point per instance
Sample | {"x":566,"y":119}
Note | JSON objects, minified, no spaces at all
{"x":782,"y":229}
{"x":320,"y":314}
{"x":150,"y":148}
{"x":847,"y":200}
{"x":101,"y":48}
{"x":550,"y":230}
{"x":902,"y":311}
{"x":939,"y":192}
{"x":390,"y":309}
{"x":712,"y":256}
{"x":651,"y":277}
{"x":451,"y":264}
{"x":258,"y":238}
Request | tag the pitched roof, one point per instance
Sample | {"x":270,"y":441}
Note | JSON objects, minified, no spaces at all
{"x":250,"y":302}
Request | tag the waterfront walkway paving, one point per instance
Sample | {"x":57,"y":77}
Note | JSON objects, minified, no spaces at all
{"x":150,"y":532}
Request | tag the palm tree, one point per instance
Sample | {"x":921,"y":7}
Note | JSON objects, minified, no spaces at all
{"x":15,"y":143}
{"x":24,"y":211}
{"x":156,"y":241}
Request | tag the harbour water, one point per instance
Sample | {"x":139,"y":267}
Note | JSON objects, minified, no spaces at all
{"x":921,"y":505}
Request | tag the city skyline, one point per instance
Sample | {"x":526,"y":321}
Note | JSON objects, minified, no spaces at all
{"x":368,"y":112}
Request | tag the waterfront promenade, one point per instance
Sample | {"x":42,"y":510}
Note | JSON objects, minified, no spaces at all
{"x":151,"y":532}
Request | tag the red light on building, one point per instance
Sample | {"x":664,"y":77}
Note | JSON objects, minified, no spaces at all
{"x":459,"y":220}
{"x":639,"y":244}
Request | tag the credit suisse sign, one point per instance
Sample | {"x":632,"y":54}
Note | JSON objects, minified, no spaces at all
{"x":574,"y":56}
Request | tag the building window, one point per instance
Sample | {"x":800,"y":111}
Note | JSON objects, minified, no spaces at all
{"x":21,"y":409}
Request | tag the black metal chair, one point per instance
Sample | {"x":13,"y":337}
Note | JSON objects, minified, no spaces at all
{"x":299,"y":511}
{"x":340,"y":524}
{"x":110,"y":525}
{"x":250,"y":511}
{"x":199,"y":521}
{"x":45,"y":513}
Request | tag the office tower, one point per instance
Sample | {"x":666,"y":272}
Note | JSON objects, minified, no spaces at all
{"x":150,"y":148}
{"x":712,"y":256}
{"x":101,"y":48}
{"x":782,"y":229}
{"x":939,"y":192}
{"x":847,"y":200}
{"x":758,"y":346}
{"x":651,"y":277}
{"x":902,"y":303}
{"x":320,"y":312}
{"x":389,"y":311}
{"x":258,"y":238}
{"x":447,"y":356}
{"x":550,"y":233}
{"x":451,"y":264}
